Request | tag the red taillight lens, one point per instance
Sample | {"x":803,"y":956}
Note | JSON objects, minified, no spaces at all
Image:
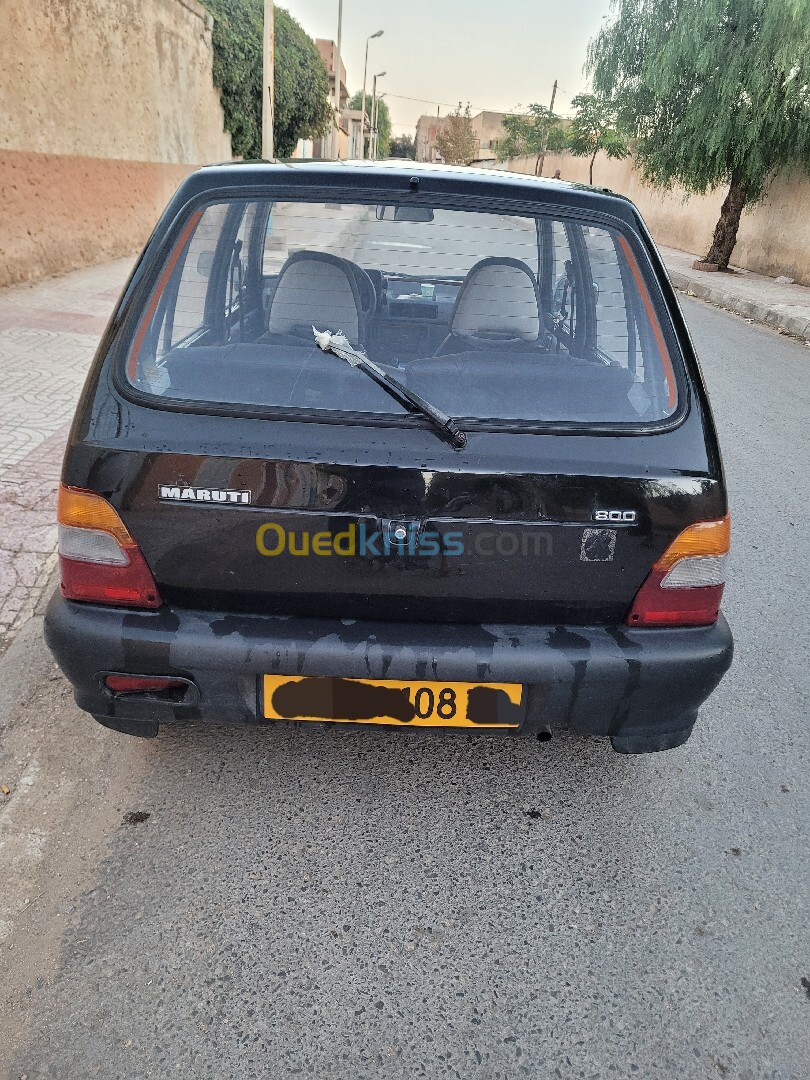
{"x":685,"y":586}
{"x":121,"y":586}
{"x":142,"y":684}
{"x":655,"y":606}
{"x":98,"y":559}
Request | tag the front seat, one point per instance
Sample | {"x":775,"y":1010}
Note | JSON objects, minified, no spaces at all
{"x":498,"y":301}
{"x":315,"y":289}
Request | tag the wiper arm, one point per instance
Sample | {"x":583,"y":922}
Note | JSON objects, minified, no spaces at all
{"x":340,"y":346}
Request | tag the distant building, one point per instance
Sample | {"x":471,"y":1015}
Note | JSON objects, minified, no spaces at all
{"x":352,"y":120}
{"x":345,"y":138}
{"x":487,"y":128}
{"x":427,"y":128}
{"x":328,"y":51}
{"x":335,"y":144}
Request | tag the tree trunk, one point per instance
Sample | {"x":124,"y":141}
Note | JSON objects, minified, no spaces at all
{"x":725,"y":232}
{"x":593,"y":159}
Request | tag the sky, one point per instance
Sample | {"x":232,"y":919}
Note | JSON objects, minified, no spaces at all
{"x":498,"y":54}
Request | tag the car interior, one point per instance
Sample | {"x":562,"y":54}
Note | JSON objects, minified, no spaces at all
{"x":572,"y":342}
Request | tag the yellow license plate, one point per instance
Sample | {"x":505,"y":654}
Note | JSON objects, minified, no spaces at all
{"x":386,"y":701}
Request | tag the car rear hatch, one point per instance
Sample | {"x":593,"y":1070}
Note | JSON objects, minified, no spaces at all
{"x":406,"y":543}
{"x":261,"y":474}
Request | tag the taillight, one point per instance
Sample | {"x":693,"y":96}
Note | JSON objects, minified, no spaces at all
{"x":98,"y":559}
{"x":685,"y":586}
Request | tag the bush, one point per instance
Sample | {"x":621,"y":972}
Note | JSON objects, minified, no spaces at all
{"x":301,"y":86}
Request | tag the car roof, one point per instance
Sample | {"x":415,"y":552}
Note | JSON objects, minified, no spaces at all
{"x":396,"y":174}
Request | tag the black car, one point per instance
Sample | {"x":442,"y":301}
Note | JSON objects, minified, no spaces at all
{"x":390,"y":444}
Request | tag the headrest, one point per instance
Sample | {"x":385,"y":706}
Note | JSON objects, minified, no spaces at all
{"x":498,"y":297}
{"x":315,"y":289}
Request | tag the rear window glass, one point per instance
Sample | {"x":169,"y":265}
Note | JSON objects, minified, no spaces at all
{"x":489,"y":316}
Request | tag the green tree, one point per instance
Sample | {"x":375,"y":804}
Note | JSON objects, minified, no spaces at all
{"x":301,"y":87}
{"x":456,"y":140}
{"x":383,"y":121}
{"x":402,"y":146}
{"x":717,"y":92}
{"x":536,"y":131}
{"x":593,"y":129}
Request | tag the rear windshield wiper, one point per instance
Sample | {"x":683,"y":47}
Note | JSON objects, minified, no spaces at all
{"x":338,"y":344}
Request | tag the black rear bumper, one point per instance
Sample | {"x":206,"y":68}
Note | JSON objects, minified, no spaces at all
{"x":642,"y":688}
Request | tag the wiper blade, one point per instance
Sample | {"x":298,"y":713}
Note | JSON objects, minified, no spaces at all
{"x":328,"y":341}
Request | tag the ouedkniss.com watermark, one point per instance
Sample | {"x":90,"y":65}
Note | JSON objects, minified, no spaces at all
{"x":273,"y":539}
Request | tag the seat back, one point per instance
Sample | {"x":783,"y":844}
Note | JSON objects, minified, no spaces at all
{"x":499,"y":298}
{"x":316,"y":289}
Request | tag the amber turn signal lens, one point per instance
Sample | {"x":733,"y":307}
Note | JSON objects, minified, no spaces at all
{"x":86,"y":510}
{"x":703,"y":538}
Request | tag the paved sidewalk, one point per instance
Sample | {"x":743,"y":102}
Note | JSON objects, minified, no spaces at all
{"x":48,"y":334}
{"x":784,"y":307}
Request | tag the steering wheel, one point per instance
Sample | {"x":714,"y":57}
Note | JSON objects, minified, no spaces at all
{"x":365,"y":286}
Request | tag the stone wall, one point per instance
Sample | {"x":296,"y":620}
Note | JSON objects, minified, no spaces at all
{"x":105,"y":106}
{"x":774,"y":236}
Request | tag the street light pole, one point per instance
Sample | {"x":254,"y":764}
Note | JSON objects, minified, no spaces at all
{"x":336,"y":131}
{"x":373,"y":138}
{"x":268,"y":58}
{"x":541,"y":160}
{"x":373,"y":120}
{"x":377,"y":127}
{"x":363,"y":104}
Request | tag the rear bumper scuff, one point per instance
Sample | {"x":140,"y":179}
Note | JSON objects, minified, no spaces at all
{"x":641,"y":687}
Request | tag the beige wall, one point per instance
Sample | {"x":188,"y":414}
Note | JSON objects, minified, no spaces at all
{"x":774,"y":236}
{"x":105,"y":106}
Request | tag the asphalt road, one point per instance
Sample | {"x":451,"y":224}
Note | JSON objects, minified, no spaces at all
{"x":385,"y":905}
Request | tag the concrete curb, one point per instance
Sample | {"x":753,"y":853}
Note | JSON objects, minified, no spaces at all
{"x":777,"y":316}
